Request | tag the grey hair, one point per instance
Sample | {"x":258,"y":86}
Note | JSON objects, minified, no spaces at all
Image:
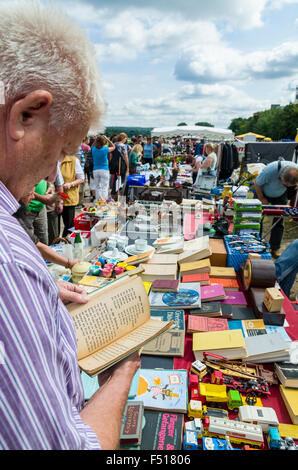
{"x":290,"y":175}
{"x":41,"y":48}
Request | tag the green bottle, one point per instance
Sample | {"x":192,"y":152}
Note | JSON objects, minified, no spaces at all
{"x":78,"y":245}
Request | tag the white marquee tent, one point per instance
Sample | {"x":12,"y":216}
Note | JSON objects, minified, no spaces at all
{"x":194,"y":131}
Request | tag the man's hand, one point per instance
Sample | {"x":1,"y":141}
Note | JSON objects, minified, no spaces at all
{"x":127,"y":368}
{"x":69,"y":292}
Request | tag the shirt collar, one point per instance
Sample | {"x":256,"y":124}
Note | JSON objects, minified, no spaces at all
{"x":8,"y":202}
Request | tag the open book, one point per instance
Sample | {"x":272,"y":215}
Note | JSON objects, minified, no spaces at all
{"x":113,"y":324}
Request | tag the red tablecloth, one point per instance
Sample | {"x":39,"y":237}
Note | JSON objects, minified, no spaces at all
{"x":274,"y":400}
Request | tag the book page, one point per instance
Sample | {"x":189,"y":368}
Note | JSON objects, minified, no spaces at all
{"x":110,"y":314}
{"x":123,"y":346}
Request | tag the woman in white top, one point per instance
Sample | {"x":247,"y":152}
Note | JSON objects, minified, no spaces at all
{"x":208,"y":165}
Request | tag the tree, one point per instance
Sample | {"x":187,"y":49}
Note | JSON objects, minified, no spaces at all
{"x":181,"y":124}
{"x":277,"y":123}
{"x":204,"y":124}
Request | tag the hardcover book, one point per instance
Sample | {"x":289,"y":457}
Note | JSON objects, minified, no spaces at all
{"x":228,"y":343}
{"x":171,"y":343}
{"x":165,"y":285}
{"x":202,"y":278}
{"x":132,"y":422}
{"x":162,"y":389}
{"x":114,"y":323}
{"x":163,"y":430}
{"x":215,"y":292}
{"x":210,"y":309}
{"x":187,"y":297}
{"x":234,"y":298}
{"x":198,"y":323}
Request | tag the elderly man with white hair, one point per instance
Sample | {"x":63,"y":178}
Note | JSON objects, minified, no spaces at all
{"x":51,"y":95}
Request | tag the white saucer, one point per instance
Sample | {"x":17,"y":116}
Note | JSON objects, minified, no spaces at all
{"x":109,"y":255}
{"x":131,"y":250}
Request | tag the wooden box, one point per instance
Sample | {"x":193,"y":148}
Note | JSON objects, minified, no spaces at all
{"x":219,"y":252}
{"x":273,"y":299}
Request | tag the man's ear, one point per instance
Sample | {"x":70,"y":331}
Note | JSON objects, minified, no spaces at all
{"x":25,"y":112}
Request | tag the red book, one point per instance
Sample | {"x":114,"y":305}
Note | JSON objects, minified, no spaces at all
{"x":202,"y":324}
{"x":203,"y":278}
{"x":165,"y":285}
{"x":231,"y":284}
{"x":215,"y":292}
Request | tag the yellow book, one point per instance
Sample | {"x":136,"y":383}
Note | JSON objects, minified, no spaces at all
{"x":290,"y":398}
{"x":226,"y":273}
{"x":228,"y":343}
{"x":195,"y":267}
{"x":290,"y":430}
{"x":147,"y":286}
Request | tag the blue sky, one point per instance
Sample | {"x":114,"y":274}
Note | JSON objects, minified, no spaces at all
{"x":164,"y":62}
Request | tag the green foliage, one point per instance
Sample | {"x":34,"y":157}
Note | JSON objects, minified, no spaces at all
{"x":277,"y":123}
{"x":181,"y":124}
{"x":204,"y":124}
{"x":129,"y":131}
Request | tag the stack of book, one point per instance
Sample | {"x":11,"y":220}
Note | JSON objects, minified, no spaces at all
{"x":195,"y":250}
{"x":227,"y":343}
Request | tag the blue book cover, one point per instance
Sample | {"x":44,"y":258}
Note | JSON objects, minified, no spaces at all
{"x":162,"y":389}
{"x":170,"y":315}
{"x":90,"y":385}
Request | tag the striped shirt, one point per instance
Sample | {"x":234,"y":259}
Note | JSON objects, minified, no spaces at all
{"x":41,"y":393}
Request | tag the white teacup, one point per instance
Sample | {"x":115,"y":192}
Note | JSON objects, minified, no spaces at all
{"x":140,"y":244}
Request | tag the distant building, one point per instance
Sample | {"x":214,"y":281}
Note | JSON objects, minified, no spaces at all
{"x":273,"y":106}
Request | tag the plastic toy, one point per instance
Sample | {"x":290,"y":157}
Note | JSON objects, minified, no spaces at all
{"x":264,"y":416}
{"x":196,"y":409}
{"x":238,"y":432}
{"x":190,"y":440}
{"x":218,"y":394}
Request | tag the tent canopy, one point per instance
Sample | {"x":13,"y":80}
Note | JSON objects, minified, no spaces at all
{"x":193,"y":131}
{"x":257,"y":136}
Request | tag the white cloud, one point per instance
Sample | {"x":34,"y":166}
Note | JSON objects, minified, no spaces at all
{"x":222,"y":63}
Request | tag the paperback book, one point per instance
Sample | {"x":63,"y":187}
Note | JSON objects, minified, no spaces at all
{"x":210,"y":309}
{"x":213,"y":292}
{"x":171,"y":343}
{"x":201,"y":324}
{"x":202,"y":278}
{"x":165,"y":285}
{"x":187,"y":297}
{"x":234,"y":298}
{"x":287,"y":373}
{"x":163,"y":430}
{"x":228,"y":343}
{"x":230,"y":284}
{"x":113,"y":324}
{"x":248,"y":327}
{"x":266,"y":348}
{"x":165,"y":390}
